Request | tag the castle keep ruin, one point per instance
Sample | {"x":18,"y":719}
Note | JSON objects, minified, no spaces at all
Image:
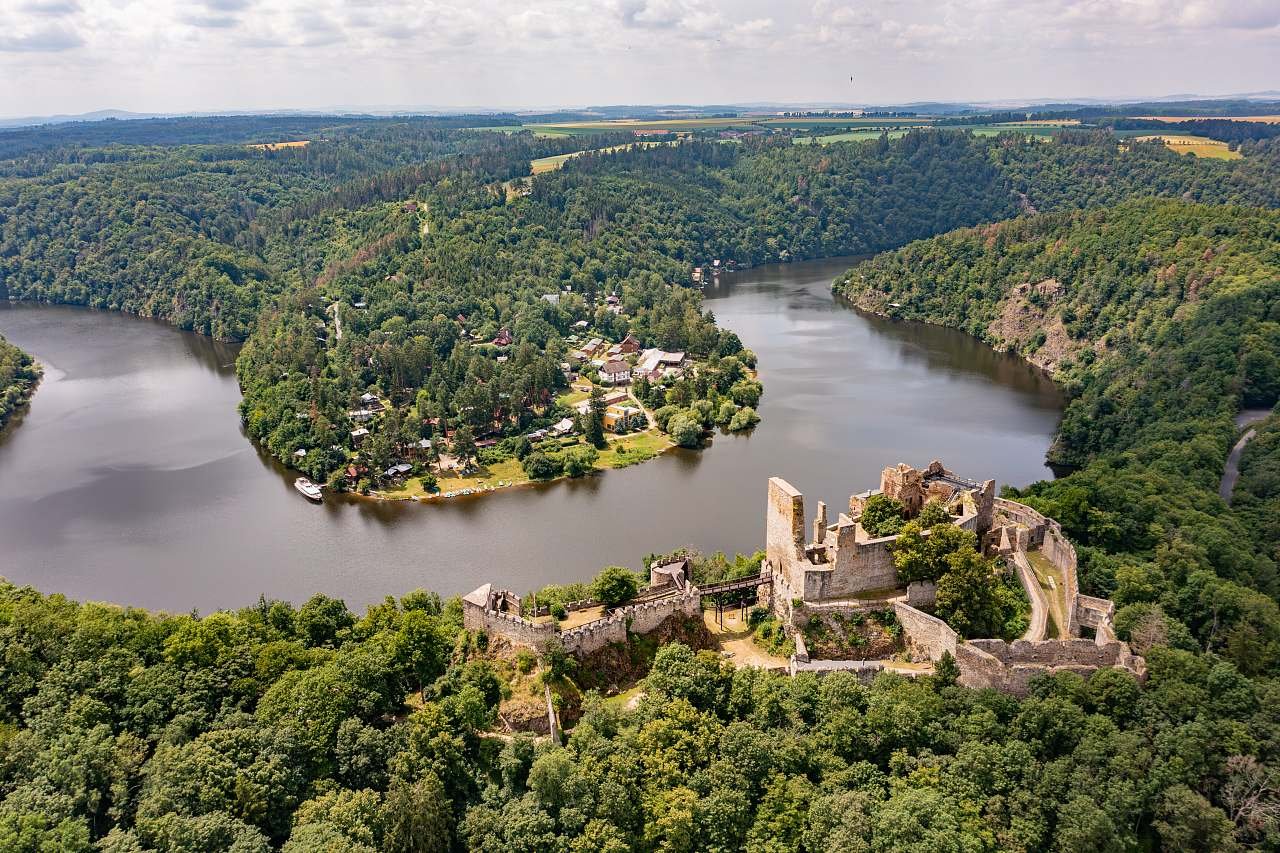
{"x":841,"y":569}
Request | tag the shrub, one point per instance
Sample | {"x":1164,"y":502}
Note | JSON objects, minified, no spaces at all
{"x":744,"y":418}
{"x":525,"y":661}
{"x":882,"y":516}
{"x":579,"y":460}
{"x":746,"y":392}
{"x":614,"y":585}
{"x":685,"y":430}
{"x":540,"y":466}
{"x":933,"y":512}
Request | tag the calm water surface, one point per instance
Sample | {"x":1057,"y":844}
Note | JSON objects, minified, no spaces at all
{"x":129,"y":480}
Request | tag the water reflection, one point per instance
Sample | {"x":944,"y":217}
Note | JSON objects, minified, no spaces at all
{"x":131,"y":480}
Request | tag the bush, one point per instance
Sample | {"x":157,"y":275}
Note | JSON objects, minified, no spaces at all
{"x":558,"y":611}
{"x":525,"y":661}
{"x":664,"y":415}
{"x":744,"y":418}
{"x":933,"y":512}
{"x":746,"y":392}
{"x":615,"y":585}
{"x":540,"y":466}
{"x":579,"y":460}
{"x":685,"y":430}
{"x":882,"y":516}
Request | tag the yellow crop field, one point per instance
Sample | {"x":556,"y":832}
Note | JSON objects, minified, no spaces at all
{"x":1200,"y":146}
{"x":555,"y":161}
{"x":1264,"y":119}
{"x":276,"y":146}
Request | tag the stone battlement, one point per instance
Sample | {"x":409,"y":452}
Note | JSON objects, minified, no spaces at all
{"x":481,"y":612}
{"x":843,"y":563}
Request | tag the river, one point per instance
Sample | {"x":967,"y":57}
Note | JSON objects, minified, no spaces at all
{"x":129,"y":480}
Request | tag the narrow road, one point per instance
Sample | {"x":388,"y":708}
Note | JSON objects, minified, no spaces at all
{"x":336,"y":308}
{"x":1232,"y":472}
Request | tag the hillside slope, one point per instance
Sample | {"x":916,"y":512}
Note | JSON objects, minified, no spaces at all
{"x":1162,"y":318}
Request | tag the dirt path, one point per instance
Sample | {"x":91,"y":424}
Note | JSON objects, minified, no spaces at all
{"x":735,"y":643}
{"x":336,"y":308}
{"x":1231,"y":473}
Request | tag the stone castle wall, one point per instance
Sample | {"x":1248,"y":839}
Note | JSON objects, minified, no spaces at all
{"x":1009,"y":667}
{"x":519,"y":631}
{"x":1038,"y":627}
{"x":925,"y":633}
{"x":637,"y":618}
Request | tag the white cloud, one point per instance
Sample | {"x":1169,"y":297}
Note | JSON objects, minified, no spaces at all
{"x":60,"y":55}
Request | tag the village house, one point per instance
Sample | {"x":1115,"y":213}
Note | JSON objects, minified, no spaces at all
{"x":398,"y":472}
{"x":562,"y":427}
{"x":616,"y":373}
{"x":358,"y":436}
{"x":656,"y":364}
{"x":620,"y":418}
{"x":503,"y":339}
{"x":371,"y":402}
{"x":629,"y":345}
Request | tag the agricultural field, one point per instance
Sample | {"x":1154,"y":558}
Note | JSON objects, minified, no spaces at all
{"x":1275,"y":119}
{"x":1200,"y":146}
{"x":1042,"y":131}
{"x":848,"y":136}
{"x":555,"y":161}
{"x":276,"y":146}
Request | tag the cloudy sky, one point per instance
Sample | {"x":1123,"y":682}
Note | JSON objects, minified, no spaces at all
{"x":192,"y":55}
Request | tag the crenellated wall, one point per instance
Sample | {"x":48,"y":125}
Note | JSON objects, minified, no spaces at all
{"x":1009,"y":667}
{"x":520,"y":631}
{"x":636,"y":618}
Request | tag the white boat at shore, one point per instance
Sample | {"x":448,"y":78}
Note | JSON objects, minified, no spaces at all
{"x":309,"y":489}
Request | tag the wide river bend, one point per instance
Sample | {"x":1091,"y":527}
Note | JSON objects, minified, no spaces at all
{"x":130,"y":481}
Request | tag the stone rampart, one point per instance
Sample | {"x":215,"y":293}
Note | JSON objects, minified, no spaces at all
{"x":1009,"y":667}
{"x":1025,"y":516}
{"x":1038,"y":625}
{"x":929,"y":634}
{"x":922,"y":593}
{"x":519,"y":631}
{"x":636,"y":618}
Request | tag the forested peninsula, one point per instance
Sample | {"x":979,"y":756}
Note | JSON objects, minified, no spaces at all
{"x":19,"y":375}
{"x":1146,"y":282}
{"x":414,"y":309}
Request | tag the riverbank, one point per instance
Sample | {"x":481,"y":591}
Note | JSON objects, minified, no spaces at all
{"x":130,"y":479}
{"x":623,"y":451}
{"x":19,"y":376}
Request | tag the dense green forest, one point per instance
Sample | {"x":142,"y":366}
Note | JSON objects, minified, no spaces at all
{"x":461,"y":261}
{"x":316,"y":729}
{"x":18,"y":377}
{"x":1162,"y":319}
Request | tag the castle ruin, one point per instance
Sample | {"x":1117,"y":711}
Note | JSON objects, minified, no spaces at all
{"x":841,"y":569}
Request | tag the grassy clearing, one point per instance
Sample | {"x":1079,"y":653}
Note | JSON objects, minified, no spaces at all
{"x":1042,"y":122}
{"x":849,"y":136}
{"x":1051,"y":581}
{"x":555,"y":161}
{"x":1175,"y":119}
{"x":622,"y":452}
{"x":1200,"y":146}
